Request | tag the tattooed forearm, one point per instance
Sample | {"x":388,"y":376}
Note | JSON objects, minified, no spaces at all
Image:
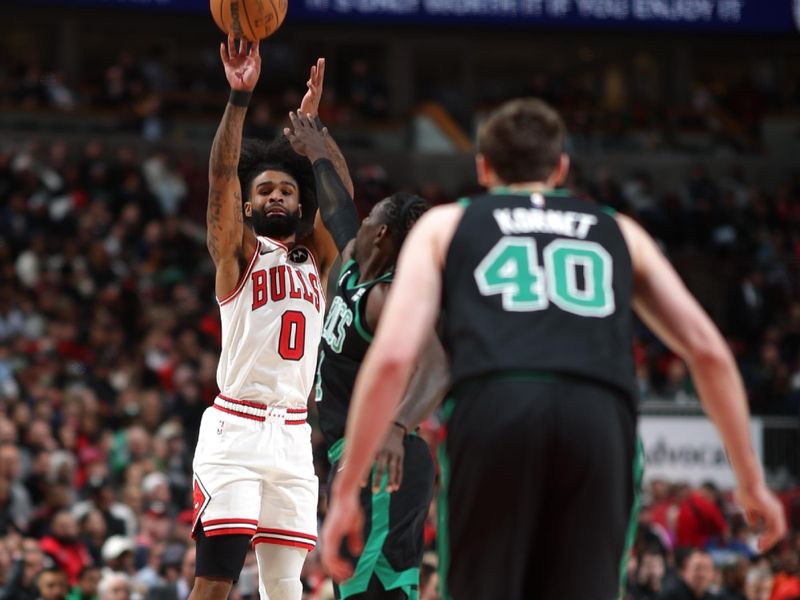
{"x":227,"y":144}
{"x":224,"y":215}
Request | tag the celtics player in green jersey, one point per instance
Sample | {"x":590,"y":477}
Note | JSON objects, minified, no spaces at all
{"x":387,"y":566}
{"x":537,"y":288}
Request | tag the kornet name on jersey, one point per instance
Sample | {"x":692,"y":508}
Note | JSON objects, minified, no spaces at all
{"x":271,"y":327}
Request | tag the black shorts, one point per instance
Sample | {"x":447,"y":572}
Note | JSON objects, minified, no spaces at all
{"x":394,"y":525}
{"x":538,"y":488}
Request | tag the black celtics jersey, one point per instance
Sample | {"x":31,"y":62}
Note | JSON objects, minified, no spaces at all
{"x":345,"y":341}
{"x":539,"y":282}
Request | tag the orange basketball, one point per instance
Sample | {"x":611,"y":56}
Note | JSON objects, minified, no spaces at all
{"x":249,"y":19}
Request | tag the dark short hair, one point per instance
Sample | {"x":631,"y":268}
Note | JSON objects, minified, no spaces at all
{"x":87,"y":569}
{"x":522,"y":140}
{"x":683,"y":554}
{"x":400,"y":211}
{"x":257,"y":156}
{"x":49,"y":570}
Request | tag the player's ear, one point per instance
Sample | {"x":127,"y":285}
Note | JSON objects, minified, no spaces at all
{"x":382,"y":235}
{"x":248,"y":209}
{"x":562,"y":170}
{"x":483,"y":170}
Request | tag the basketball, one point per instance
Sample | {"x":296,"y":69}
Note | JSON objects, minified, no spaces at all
{"x":249,"y":19}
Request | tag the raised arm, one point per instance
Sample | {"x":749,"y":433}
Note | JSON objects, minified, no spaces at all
{"x":327,"y":246}
{"x":229,"y":242}
{"x":670,"y":310}
{"x":336,"y":209}
{"x":310,"y":106}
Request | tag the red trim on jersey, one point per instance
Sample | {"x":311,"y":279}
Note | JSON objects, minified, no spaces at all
{"x":260,"y":419}
{"x":240,"y":286}
{"x":281,"y":542}
{"x":236,"y":413}
{"x":231,"y":521}
{"x":308,"y":536}
{"x":243,"y":402}
{"x":292,"y":411}
{"x":228,"y":531}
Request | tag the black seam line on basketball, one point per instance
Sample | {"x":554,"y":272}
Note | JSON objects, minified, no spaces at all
{"x":221,"y":19}
{"x":237,"y":23}
{"x":249,"y":24}
{"x":277,"y":18}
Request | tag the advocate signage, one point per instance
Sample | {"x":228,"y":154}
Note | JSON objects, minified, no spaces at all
{"x":689,"y":449}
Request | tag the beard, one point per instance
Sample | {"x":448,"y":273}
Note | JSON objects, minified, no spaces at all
{"x":275,"y":226}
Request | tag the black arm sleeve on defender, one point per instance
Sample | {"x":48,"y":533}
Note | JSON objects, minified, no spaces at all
{"x":335,"y":205}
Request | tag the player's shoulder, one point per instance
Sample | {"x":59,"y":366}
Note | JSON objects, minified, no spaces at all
{"x":441,"y":215}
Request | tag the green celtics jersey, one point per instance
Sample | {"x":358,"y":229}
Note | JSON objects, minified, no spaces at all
{"x":345,"y":341}
{"x":539,"y":282}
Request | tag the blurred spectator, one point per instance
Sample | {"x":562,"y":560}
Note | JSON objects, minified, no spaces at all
{"x":117,"y":554}
{"x":734,"y":580}
{"x":700,"y":519}
{"x":114,"y":586}
{"x":649,"y":575}
{"x":179,"y":585}
{"x":52,"y":584}
{"x":786,"y":585}
{"x":88,"y":581}
{"x":695,"y":575}
{"x":65,"y":548}
{"x":758,"y":585}
{"x":119,"y":519}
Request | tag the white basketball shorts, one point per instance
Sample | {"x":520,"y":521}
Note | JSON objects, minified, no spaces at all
{"x":254,"y":474}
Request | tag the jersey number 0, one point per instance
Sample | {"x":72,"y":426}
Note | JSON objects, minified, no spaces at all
{"x":292,"y":341}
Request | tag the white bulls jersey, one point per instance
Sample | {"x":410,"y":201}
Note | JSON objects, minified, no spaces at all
{"x":271,"y":328}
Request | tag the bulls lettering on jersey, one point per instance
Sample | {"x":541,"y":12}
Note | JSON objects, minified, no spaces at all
{"x":271,"y":326}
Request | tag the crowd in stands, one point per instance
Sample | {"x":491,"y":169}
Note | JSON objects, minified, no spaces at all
{"x":612,"y":104}
{"x":147,"y":92}
{"x":695,"y":544}
{"x":109,"y":332}
{"x":109,"y":338}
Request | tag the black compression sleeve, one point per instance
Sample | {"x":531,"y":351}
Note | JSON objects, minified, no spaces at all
{"x":335,"y":205}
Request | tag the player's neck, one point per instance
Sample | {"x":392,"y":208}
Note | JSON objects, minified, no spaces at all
{"x":527,"y":186}
{"x":373,"y":267}
{"x":289,"y":241}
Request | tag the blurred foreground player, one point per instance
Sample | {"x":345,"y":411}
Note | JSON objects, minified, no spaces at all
{"x":536,"y":289}
{"x":254,"y":477}
{"x":388,"y":567}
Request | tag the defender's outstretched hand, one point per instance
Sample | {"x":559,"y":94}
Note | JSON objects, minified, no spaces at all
{"x":345,"y":519}
{"x":242,"y":66}
{"x":310,"y":103}
{"x":306,"y":138}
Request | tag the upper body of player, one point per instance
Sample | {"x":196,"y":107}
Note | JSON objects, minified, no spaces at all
{"x":369,"y":253}
{"x":536,"y":267}
{"x":270,"y":247}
